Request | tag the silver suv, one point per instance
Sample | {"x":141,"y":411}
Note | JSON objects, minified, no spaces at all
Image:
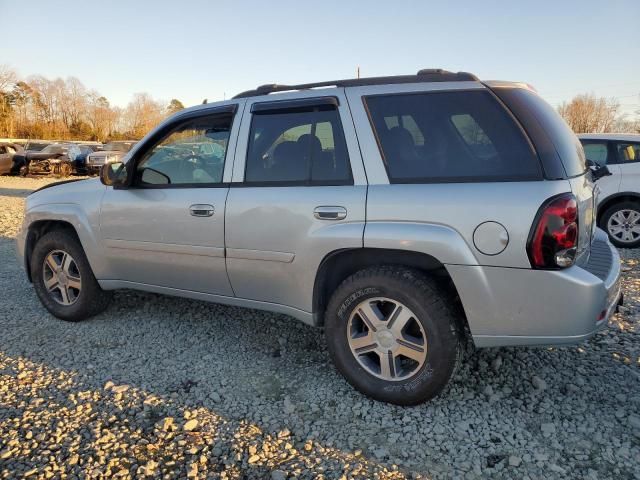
{"x":403,"y":214}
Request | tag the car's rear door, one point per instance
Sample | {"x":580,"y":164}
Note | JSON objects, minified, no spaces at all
{"x":167,"y":229}
{"x":628,"y":156}
{"x":298,"y":193}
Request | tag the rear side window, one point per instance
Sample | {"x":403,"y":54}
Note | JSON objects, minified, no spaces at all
{"x":628,"y":152}
{"x":462,"y":136}
{"x":297,"y":147}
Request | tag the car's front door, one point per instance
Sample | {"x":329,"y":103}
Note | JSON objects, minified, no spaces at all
{"x":602,"y":153}
{"x":298,"y":193}
{"x":5,"y":160}
{"x":167,"y":228}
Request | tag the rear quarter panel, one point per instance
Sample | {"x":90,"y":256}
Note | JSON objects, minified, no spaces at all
{"x":461,"y":208}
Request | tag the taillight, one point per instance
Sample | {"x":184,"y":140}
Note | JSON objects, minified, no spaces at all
{"x":553,"y":241}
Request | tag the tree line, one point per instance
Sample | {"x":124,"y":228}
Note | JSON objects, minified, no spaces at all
{"x":39,"y":107}
{"x":590,"y":114}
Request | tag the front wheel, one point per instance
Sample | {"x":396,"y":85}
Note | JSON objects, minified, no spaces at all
{"x":63,"y":279}
{"x":391,"y":333}
{"x":65,"y":169}
{"x":622,"y":223}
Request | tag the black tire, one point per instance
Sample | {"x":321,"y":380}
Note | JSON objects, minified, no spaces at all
{"x":91,"y":299}
{"x":432,"y":310}
{"x":65,"y":169}
{"x":612,"y":210}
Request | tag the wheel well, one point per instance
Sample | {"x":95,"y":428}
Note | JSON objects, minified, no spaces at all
{"x":614,"y":199}
{"x":340,"y":264}
{"x":37,"y":230}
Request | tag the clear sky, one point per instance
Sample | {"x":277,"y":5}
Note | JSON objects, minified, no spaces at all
{"x":192,"y":49}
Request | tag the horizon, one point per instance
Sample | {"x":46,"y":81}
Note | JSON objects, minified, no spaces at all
{"x":498,"y":41}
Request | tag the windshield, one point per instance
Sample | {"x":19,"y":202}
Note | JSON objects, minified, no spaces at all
{"x":54,"y":149}
{"x":35,"y":146}
{"x":118,"y":146}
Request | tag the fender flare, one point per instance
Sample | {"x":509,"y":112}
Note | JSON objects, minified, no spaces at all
{"x":73,"y":215}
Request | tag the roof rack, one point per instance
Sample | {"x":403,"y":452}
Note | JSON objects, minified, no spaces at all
{"x":424,"y":75}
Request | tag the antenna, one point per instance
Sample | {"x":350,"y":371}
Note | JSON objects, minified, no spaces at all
{"x":358,"y":71}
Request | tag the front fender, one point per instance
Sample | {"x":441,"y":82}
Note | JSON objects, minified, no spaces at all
{"x":84,"y":222}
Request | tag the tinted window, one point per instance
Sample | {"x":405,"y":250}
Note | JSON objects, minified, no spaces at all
{"x":193,"y":153}
{"x":596,"y":152}
{"x":565,"y":144}
{"x":305,"y":147}
{"x":628,"y":152}
{"x":450,"y":136}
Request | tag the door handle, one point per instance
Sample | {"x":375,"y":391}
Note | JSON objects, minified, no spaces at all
{"x":330,"y":213}
{"x":202,"y":210}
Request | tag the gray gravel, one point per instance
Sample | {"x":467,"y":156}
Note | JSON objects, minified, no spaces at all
{"x":175,"y":388}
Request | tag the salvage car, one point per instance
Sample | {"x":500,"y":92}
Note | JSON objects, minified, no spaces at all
{"x":11,"y":157}
{"x":406,"y":215}
{"x":57,"y":159}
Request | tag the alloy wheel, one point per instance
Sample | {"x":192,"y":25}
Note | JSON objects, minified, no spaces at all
{"x":61,"y":277}
{"x":624,"y":225}
{"x":387,"y":339}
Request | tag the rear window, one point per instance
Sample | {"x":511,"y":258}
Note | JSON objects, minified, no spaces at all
{"x":462,"y":136}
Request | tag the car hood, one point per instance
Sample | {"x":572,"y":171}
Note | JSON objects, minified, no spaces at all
{"x":68,"y":191}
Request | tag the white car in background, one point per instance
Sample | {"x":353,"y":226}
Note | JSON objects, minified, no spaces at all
{"x":619,"y":198}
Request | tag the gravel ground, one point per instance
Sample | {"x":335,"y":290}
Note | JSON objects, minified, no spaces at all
{"x":176,"y":388}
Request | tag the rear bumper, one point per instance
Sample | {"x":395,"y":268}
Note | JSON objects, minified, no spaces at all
{"x":512,"y":306}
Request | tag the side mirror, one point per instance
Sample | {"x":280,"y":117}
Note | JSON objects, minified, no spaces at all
{"x":113,"y":174}
{"x":597,"y":171}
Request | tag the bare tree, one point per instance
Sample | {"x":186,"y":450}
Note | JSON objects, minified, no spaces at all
{"x":39,"y":107}
{"x":102,"y":118}
{"x":590,"y":114}
{"x":142,"y":114}
{"x":8,"y":78}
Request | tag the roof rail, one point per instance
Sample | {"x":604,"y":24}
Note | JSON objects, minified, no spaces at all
{"x":424,"y":75}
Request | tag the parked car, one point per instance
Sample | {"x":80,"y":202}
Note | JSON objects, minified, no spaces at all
{"x":619,"y":196}
{"x":10,"y":158}
{"x":56,"y":159}
{"x":79,"y":157}
{"x":402,"y":214}
{"x":111,"y":152}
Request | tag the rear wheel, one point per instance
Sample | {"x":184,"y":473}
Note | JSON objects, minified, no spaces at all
{"x":392,"y":334}
{"x":63,"y":279}
{"x":622,"y":223}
